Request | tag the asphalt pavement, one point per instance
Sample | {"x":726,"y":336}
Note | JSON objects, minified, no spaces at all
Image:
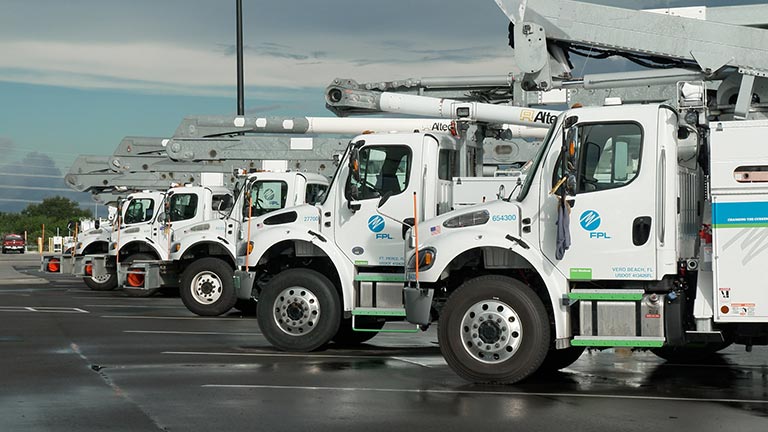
{"x":81,"y":360}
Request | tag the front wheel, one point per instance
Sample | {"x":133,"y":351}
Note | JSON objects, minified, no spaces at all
{"x":207,"y":287}
{"x":105,"y":282}
{"x":494,"y":329}
{"x":299,"y":310}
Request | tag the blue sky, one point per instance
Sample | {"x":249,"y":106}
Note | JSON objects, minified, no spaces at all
{"x":77,"y":76}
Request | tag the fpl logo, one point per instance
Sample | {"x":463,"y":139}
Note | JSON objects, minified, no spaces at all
{"x":590,"y":221}
{"x":376,"y":225}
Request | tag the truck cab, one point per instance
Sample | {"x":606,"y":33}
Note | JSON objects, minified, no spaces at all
{"x":202,"y":256}
{"x":183,"y":208}
{"x":591,"y":252}
{"x":347,"y":253}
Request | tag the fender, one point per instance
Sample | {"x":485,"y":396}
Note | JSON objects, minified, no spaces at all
{"x":488,"y":237}
{"x":132,"y":243}
{"x":265,"y":238}
{"x":230,"y":248}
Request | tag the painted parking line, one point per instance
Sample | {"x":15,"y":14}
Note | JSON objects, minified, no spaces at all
{"x":196,"y":318}
{"x":46,"y":309}
{"x":488,"y":393}
{"x":190,"y":333}
{"x":135,"y":306}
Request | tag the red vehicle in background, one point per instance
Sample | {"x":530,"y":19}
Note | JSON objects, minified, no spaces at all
{"x":13,"y":242}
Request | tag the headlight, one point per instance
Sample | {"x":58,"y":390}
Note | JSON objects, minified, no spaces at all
{"x":426,"y":259}
{"x":468,"y":219}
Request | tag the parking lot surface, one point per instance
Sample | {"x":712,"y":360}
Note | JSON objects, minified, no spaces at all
{"x":81,"y":360}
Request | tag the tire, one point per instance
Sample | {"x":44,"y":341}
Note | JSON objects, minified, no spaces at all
{"x":308,"y":297}
{"x":559,"y":359}
{"x":690,"y":354}
{"x":512,"y":330}
{"x":345,"y":336}
{"x":107,"y":283}
{"x":207,"y":288}
{"x":138,"y":292}
{"x":247,"y":307}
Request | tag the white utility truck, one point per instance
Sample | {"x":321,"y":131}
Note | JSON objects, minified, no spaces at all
{"x":335,"y":271}
{"x":135,"y":226}
{"x":201,"y":256}
{"x":637,"y":226}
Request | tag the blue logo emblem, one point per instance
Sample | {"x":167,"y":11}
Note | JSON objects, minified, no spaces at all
{"x":376,"y":223}
{"x":590,"y":220}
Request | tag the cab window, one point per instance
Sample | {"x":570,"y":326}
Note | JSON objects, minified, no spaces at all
{"x":267,"y":196}
{"x":221,"y":203}
{"x":183,"y":206}
{"x":448,"y":165}
{"x":139,"y":210}
{"x":382,"y":169}
{"x":608,"y":156}
{"x":315,"y":193}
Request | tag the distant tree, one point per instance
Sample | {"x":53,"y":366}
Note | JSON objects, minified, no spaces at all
{"x":56,"y":213}
{"x":56,"y":207}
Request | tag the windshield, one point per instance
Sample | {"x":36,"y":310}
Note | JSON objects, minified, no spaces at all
{"x":338,"y":168}
{"x":139,"y":210}
{"x":533,"y":165}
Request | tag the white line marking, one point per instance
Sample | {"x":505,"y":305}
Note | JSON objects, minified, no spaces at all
{"x":493,"y":393}
{"x":405,"y":360}
{"x":196,"y":318}
{"x":45,"y":309}
{"x":135,"y":306}
{"x":189,"y":332}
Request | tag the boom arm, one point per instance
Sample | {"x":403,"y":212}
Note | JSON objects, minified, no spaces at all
{"x":546,"y":32}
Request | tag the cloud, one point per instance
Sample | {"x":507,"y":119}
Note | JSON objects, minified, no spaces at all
{"x":209,"y":70}
{"x":31,"y":179}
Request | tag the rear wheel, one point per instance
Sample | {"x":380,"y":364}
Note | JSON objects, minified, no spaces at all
{"x":133,"y":282}
{"x":299,"y":310}
{"x":494,"y":329}
{"x":246,"y":306}
{"x":561,"y":358}
{"x":692,"y":353}
{"x":207,"y":287}
{"x":348,"y":337}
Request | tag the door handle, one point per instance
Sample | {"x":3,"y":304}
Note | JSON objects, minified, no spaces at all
{"x":641,"y":230}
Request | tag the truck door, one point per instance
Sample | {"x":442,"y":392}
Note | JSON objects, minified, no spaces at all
{"x":614,"y":207}
{"x":366,"y":237}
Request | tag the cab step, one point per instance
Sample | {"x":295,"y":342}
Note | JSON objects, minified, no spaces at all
{"x":380,"y":277}
{"x":381,"y":312}
{"x":606,"y":294}
{"x":618,"y":341}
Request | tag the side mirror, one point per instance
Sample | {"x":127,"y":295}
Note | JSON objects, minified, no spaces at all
{"x":568,"y":154}
{"x":354,"y":162}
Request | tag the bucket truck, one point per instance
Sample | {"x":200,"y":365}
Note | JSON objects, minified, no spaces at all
{"x":637,"y":226}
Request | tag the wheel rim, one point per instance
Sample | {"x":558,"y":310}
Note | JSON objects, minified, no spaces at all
{"x":296,"y":311}
{"x":101,"y":279}
{"x":491,"y":331}
{"x":206,"y":287}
